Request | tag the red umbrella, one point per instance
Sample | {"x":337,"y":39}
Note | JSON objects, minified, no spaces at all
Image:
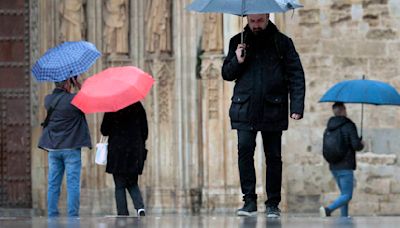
{"x":113,"y":89}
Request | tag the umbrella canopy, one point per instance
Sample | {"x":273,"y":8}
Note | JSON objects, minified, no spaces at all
{"x":113,"y":89}
{"x":243,"y":7}
{"x":362,"y":91}
{"x":65,"y":60}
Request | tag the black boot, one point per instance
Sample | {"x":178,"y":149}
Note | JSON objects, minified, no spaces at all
{"x":273,"y":211}
{"x":249,"y":208}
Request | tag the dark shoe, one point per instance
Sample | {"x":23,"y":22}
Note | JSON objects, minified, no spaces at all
{"x":324,"y":212}
{"x":273,"y":212}
{"x":249,"y":209}
{"x":141,"y":212}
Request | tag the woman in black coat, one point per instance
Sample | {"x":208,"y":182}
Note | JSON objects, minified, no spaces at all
{"x":127,"y":133}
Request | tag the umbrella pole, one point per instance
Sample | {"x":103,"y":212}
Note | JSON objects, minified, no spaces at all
{"x":362,"y":115}
{"x":242,"y":29}
{"x":241,"y":34}
{"x":241,"y":26}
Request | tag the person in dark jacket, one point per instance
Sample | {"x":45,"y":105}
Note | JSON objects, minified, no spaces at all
{"x":63,"y":136}
{"x":343,"y":170}
{"x":267,"y":71}
{"x":127,"y":133}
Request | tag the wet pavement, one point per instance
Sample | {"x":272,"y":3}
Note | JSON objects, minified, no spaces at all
{"x":181,"y":221}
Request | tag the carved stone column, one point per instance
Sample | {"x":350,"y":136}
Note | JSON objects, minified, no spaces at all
{"x":160,"y":63}
{"x":215,"y":156}
{"x":172,"y":178}
{"x":213,"y":131}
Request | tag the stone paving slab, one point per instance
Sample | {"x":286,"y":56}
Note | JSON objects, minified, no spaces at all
{"x":182,"y":221}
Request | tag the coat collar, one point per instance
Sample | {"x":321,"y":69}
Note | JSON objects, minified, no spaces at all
{"x":59,"y":90}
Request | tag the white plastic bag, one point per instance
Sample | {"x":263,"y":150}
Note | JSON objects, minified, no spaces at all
{"x":101,"y":151}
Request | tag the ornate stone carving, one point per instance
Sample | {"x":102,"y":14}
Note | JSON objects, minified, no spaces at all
{"x":116,"y":25}
{"x":164,"y":81}
{"x":212,"y":33}
{"x":72,"y":20}
{"x":158,"y":26}
{"x":211,"y":73}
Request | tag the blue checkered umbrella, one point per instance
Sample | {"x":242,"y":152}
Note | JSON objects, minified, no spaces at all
{"x":65,"y":61}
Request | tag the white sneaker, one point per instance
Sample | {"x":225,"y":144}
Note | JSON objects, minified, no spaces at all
{"x":322,"y":212}
{"x":141,"y":212}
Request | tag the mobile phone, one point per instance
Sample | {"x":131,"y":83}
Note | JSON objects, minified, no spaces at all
{"x":72,"y":81}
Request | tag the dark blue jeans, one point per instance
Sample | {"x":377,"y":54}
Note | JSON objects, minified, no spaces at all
{"x":272,"y":150}
{"x":128,"y":182}
{"x":344,"y":180}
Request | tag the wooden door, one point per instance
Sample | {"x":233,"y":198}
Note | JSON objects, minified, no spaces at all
{"x":15,"y":131}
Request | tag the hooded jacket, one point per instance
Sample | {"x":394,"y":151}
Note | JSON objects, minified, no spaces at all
{"x":271,"y":71}
{"x":353,"y":142}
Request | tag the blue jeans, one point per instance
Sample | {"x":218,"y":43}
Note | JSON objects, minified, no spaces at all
{"x":344,"y":180}
{"x":60,"y":160}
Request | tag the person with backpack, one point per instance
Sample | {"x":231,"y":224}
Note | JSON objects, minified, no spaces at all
{"x":267,"y":71}
{"x":340,"y":141}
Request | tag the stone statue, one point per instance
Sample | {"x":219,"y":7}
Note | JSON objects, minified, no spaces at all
{"x":72,"y":20}
{"x":158,"y":30}
{"x":212,"y":33}
{"x":116,"y":26}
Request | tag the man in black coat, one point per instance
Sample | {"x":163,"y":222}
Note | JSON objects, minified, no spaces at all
{"x":343,"y":169}
{"x":266,"y":69}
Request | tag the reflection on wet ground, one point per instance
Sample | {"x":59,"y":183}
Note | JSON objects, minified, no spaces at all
{"x":181,"y":221}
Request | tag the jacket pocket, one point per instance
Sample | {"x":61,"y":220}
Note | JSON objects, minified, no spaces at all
{"x":240,"y":108}
{"x":274,"y":107}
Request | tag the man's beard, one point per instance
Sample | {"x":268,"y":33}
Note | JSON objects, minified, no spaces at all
{"x":257,"y":31}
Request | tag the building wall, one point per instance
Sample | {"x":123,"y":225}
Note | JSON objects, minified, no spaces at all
{"x":192,"y":162}
{"x":343,"y":40}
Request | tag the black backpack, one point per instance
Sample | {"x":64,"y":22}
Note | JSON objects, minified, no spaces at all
{"x":334,"y":147}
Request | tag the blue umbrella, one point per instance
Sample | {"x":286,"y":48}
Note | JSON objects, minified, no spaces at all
{"x":243,"y":7}
{"x":65,"y":61}
{"x":362,"y":92}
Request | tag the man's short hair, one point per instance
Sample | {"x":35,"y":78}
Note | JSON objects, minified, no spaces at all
{"x":61,"y":84}
{"x":337,"y":108}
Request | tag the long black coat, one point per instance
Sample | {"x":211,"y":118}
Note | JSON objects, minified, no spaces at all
{"x":271,"y":70}
{"x":353,"y":142}
{"x":127,"y":130}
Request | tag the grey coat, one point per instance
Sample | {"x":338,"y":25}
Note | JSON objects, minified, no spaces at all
{"x":67,"y":127}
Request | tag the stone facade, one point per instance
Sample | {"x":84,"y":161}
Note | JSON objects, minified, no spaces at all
{"x":192,"y":162}
{"x":342,"y":40}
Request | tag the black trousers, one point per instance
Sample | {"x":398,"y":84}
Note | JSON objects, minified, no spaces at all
{"x":128,"y":182}
{"x":272,"y":148}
